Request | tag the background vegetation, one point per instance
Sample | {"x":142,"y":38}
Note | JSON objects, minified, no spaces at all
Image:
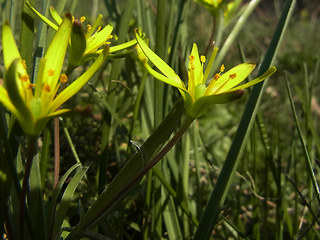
{"x":271,"y":195}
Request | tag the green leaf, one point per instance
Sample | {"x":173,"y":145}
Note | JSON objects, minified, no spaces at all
{"x":304,"y":146}
{"x":171,"y":219}
{"x":35,"y":203}
{"x":56,"y":193}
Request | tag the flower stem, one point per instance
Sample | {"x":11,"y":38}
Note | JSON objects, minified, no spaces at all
{"x":165,"y":149}
{"x":153,"y":162}
{"x":121,"y":193}
{"x":56,"y":152}
{"x":31,"y":150}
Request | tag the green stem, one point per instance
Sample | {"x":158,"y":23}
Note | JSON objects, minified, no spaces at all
{"x":152,"y":163}
{"x":56,"y":152}
{"x":134,"y":165}
{"x":166,"y":148}
{"x":31,"y":150}
{"x":211,"y":42}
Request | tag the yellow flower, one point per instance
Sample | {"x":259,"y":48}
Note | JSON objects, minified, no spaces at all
{"x":35,"y":103}
{"x":84,"y":45}
{"x":198,"y":97}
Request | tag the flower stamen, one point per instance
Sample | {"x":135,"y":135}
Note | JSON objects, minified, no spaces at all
{"x":31,"y":85}
{"x":23,"y":62}
{"x":219,"y":88}
{"x":233,"y":76}
{"x":63,"y":78}
{"x":46,"y":87}
{"x":216,"y":76}
{"x":24,"y":77}
{"x":222,"y":68}
{"x":109,"y":37}
{"x":50,"y":72}
{"x":203,"y":59}
{"x":89,"y":27}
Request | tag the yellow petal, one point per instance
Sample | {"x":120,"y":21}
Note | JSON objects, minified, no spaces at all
{"x":158,"y":62}
{"x":10,"y":49}
{"x":230,"y":79}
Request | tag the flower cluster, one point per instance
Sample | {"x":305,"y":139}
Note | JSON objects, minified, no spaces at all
{"x":35,"y":103}
{"x":223,"y":87}
{"x":84,"y":44}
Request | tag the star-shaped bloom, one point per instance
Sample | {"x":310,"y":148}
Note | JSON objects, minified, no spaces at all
{"x":34,"y":104}
{"x":198,"y":97}
{"x":84,"y":45}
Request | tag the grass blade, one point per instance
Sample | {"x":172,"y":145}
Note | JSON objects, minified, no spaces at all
{"x":218,"y":195}
{"x":67,"y":197}
{"x":56,"y":194}
{"x":304,"y":147}
{"x":35,"y":200}
{"x":108,"y":197}
{"x":170,"y":218}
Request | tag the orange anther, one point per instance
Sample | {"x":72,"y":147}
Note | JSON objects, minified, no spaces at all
{"x":50,"y":72}
{"x":24,"y":77}
{"x":31,"y":85}
{"x":23,"y":62}
{"x":63,"y":78}
{"x":88,"y":27}
{"x":233,"y":76}
{"x":222,"y":68}
{"x":46,"y":87}
{"x":191,"y":58}
{"x":216,"y":77}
